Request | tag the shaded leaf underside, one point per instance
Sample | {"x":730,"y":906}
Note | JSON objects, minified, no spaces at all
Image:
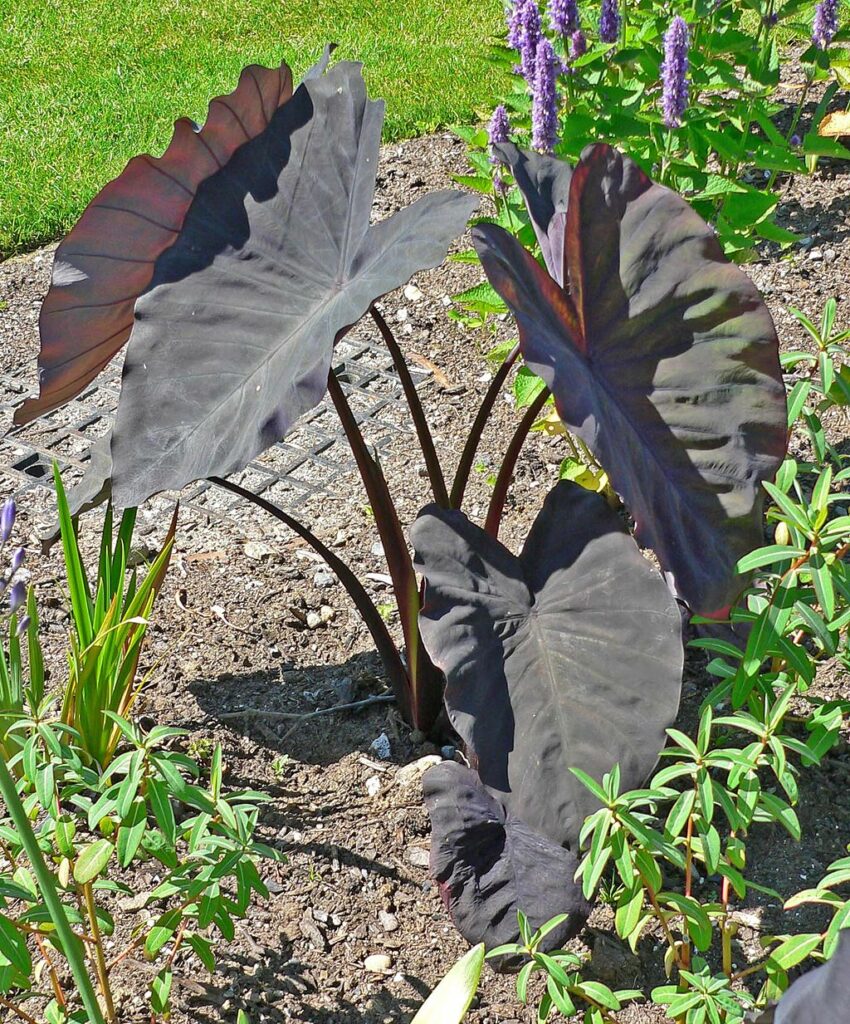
{"x":490,"y":864}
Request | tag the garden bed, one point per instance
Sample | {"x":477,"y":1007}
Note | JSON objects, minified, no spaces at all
{"x":233,"y":650}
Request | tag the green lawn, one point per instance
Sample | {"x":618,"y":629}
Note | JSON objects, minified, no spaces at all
{"x":85,"y":86}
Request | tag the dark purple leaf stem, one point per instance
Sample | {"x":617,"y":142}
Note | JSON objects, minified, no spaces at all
{"x":375,"y":624}
{"x":506,"y":470}
{"x":419,"y":707}
{"x":423,"y":431}
{"x":467,"y":457}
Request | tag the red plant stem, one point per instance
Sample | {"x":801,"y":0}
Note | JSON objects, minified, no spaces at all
{"x":725,"y":937}
{"x":364,"y":604}
{"x":420,"y":705}
{"x":467,"y":456}
{"x":18,"y":1011}
{"x":506,"y":470}
{"x":689,"y":863}
{"x":423,"y":431}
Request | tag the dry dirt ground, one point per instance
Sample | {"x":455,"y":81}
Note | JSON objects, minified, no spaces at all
{"x":230,"y":636}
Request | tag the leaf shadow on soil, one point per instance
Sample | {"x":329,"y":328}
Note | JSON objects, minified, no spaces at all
{"x":322,"y":740}
{"x":253,"y":988}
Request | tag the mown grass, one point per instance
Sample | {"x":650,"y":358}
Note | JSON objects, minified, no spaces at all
{"x":85,"y":86}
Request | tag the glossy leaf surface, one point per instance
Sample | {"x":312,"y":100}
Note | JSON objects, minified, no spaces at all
{"x":490,"y":864}
{"x":107,"y":260}
{"x":568,"y":656}
{"x":662,"y":357}
{"x":276,"y":258}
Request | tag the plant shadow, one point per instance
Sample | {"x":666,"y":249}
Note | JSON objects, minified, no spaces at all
{"x":265,"y":983}
{"x":277,"y":709}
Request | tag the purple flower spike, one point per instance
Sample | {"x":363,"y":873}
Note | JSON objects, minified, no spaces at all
{"x":18,"y":559}
{"x":544,"y":106}
{"x":17,"y":596}
{"x":578,"y":45}
{"x":7,"y":520}
{"x":609,"y":22}
{"x":563,"y":16}
{"x":674,"y":72}
{"x":500,"y":126}
{"x":825,"y":24}
{"x":531,"y":36}
{"x":795,"y":140}
{"x":514,"y":13}
{"x":23,"y":625}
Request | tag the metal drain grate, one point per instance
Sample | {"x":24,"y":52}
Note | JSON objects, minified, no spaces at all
{"x":309,"y":462}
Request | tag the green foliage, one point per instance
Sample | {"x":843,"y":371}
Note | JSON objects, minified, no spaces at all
{"x":450,"y":1000}
{"x":110,"y":617}
{"x":566,"y":990}
{"x":726,"y":155}
{"x":87,"y":826}
{"x":674,"y":855}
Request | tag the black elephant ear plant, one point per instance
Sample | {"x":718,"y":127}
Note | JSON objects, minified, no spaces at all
{"x":663,"y":359}
{"x":231,"y":265}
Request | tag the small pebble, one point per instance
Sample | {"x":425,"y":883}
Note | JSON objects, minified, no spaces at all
{"x":414,"y":771}
{"x":373,"y":785}
{"x":381,"y":746}
{"x":401,"y":315}
{"x":326,"y":613}
{"x":448,"y":752}
{"x":314,"y":620}
{"x":323,"y":578}
{"x":378,"y":963}
{"x":389,"y":922}
{"x":416,"y":856}
{"x":412,"y":293}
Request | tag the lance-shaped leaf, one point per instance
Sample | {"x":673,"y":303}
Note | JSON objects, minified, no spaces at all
{"x":107,"y":260}
{"x":568,"y":656}
{"x":489,"y":864}
{"x":663,"y":358}
{"x":276,"y":258}
{"x":820,"y":996}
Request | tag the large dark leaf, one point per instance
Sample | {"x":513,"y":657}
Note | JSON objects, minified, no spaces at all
{"x":820,"y":996}
{"x":489,"y":865}
{"x":107,"y":260}
{"x":276,"y":258}
{"x":545,"y":184}
{"x":662,"y":357}
{"x":568,"y":656}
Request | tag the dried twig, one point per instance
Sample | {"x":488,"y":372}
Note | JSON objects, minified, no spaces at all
{"x":379,"y":698}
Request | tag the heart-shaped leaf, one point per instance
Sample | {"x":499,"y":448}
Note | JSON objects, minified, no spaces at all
{"x":568,"y":656}
{"x":490,"y":864}
{"x":275,"y":259}
{"x":107,"y":260}
{"x":662,"y":357}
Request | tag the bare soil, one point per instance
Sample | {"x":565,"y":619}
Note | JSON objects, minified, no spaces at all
{"x":230,"y":637}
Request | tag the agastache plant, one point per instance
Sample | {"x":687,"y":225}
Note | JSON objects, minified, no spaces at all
{"x":498,"y":132}
{"x":578,"y":45}
{"x":544,"y":110}
{"x":531,"y":35}
{"x":609,"y":21}
{"x":825,"y":23}
{"x":674,"y":72}
{"x":563,"y":16}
